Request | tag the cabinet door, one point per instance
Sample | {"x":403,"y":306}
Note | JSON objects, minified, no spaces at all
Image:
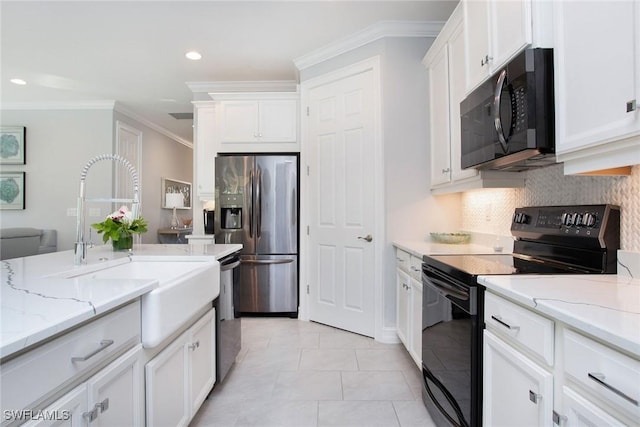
{"x":580,"y":412}
{"x":511,"y":30}
{"x":521,"y":391}
{"x":166,"y":386}
{"x":596,"y":72}
{"x":202,"y":350}
{"x":118,"y":391}
{"x":415,"y":349}
{"x":239,"y":121}
{"x":65,"y":412}
{"x":439,"y":118}
{"x":402,"y":312}
{"x":476,"y":24}
{"x":204,"y":125}
{"x":278,"y":120}
{"x":457,"y":87}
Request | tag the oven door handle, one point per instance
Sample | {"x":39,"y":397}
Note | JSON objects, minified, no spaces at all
{"x":444,"y":288}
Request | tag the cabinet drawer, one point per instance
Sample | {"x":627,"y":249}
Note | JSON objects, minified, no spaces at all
{"x":415,"y":268}
{"x":35,"y":376}
{"x":402,"y":260}
{"x":517,"y":324}
{"x":609,"y":374}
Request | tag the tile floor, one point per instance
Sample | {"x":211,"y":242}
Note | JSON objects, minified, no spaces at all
{"x":295,"y":373}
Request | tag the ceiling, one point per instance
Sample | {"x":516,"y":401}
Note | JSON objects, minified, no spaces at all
{"x":133,"y":51}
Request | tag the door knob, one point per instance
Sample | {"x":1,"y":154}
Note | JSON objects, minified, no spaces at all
{"x":368,"y":238}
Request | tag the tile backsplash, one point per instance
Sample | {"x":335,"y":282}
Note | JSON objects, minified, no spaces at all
{"x":490,"y":211}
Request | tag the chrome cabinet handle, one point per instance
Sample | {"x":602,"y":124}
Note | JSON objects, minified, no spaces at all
{"x":446,"y":170}
{"x":368,"y":238}
{"x":599,"y":378}
{"x":103,"y":406}
{"x":631,"y":106}
{"x":506,"y":325}
{"x":194,"y":345}
{"x":103,"y":345}
{"x":534,"y":397}
{"x":414,"y":269}
{"x":558,"y":419}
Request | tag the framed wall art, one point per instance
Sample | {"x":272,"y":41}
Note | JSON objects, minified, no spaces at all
{"x":12,"y":190}
{"x":13,"y":145}
{"x":175,"y":194}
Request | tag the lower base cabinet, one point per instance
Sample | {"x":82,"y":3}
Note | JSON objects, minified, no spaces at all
{"x":180,"y":377}
{"x":521,"y":392}
{"x":112,"y":397}
{"x":580,"y":412}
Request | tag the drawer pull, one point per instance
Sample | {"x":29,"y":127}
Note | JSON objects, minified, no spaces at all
{"x":91,"y":415}
{"x":103,"y":345}
{"x":558,"y":419}
{"x":194,"y":345}
{"x":506,"y":325}
{"x":599,"y":378}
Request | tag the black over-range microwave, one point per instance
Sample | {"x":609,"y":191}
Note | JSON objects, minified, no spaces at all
{"x":508,"y":122}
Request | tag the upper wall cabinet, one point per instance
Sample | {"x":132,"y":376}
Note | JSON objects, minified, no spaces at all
{"x":597,"y":79}
{"x":257,"y":122}
{"x":445,"y":63}
{"x":497,"y":30}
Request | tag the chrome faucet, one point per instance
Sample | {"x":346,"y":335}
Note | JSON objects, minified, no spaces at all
{"x":80,"y":247}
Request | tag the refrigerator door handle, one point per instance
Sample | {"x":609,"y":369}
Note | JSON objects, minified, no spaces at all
{"x":266,"y":261}
{"x":251,"y":203}
{"x":259,"y":202}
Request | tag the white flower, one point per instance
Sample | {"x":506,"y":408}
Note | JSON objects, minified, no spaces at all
{"x":122,"y":215}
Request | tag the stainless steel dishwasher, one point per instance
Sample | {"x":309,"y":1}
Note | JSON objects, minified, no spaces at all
{"x":228,"y":330}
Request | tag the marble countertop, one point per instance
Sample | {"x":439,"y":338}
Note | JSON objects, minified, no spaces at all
{"x":38,"y":301}
{"x":420,"y":248}
{"x":604,"y":306}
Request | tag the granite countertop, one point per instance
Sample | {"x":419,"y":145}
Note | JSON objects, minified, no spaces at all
{"x":38,"y":301}
{"x":605,"y":306}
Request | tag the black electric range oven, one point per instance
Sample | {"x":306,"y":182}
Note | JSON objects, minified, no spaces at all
{"x":549,"y":240}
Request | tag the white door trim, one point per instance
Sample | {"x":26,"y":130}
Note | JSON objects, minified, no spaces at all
{"x":371,"y":64}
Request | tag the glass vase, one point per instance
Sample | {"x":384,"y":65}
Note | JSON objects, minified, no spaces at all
{"x":124,"y":243}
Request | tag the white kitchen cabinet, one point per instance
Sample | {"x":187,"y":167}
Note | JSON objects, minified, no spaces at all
{"x":179,"y":378}
{"x":519,"y":391}
{"x":409,"y":303}
{"x":257,"y":122}
{"x":580,"y":412}
{"x":403,"y":306}
{"x":497,"y":30}
{"x":597,"y":84}
{"x":112,"y":397}
{"x":204,"y":148}
{"x":445,"y":63}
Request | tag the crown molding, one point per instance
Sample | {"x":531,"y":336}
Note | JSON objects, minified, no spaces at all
{"x":370,"y":34}
{"x":60,"y":105}
{"x":244,"y":86}
{"x":123,"y":110}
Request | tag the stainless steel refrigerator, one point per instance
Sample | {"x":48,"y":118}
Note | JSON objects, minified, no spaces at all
{"x":257,"y":206}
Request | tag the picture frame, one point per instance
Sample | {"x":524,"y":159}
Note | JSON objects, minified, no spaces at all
{"x":13,"y":145}
{"x":12,"y":190}
{"x":176,"y":194}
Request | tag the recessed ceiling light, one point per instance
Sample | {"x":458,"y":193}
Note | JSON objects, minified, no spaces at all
{"x":193,"y":55}
{"x":18,"y":82}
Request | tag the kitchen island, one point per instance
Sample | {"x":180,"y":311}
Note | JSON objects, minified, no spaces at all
{"x":80,"y":330}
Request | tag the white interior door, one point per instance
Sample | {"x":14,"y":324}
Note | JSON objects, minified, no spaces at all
{"x":341,"y":197}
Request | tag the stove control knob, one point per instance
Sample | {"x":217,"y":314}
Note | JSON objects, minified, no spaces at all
{"x":569,"y":219}
{"x":589,"y":219}
{"x":578,"y":219}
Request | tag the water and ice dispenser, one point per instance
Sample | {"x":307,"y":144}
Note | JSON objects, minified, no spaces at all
{"x":231,"y":211}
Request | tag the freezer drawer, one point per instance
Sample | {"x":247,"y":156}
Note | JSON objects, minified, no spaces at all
{"x":267,"y":284}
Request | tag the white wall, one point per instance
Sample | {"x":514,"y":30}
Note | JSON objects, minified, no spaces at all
{"x":162,"y":157}
{"x":59,"y":144}
{"x":408,"y":201}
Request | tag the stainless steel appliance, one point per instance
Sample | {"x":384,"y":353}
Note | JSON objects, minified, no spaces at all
{"x":257,"y":206}
{"x":507,"y":123}
{"x":228,"y":326}
{"x":549,"y":240}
